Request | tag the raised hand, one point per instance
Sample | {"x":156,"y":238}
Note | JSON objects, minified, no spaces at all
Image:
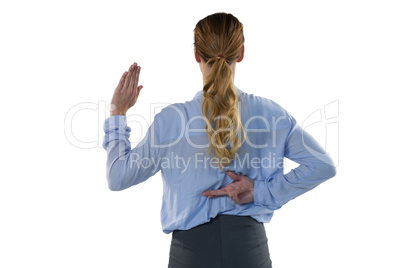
{"x":241,"y":191}
{"x":126,"y":92}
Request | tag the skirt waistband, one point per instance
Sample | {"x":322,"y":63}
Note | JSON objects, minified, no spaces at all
{"x":224,"y":241}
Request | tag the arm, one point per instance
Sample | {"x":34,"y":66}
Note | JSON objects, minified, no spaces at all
{"x":316,"y":166}
{"x":126,"y":167}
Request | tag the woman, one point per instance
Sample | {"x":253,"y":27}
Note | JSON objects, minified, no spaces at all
{"x":220,"y":154}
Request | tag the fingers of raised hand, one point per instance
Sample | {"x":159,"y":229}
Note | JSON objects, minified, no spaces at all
{"x":134,"y":78}
{"x":121,"y":82}
{"x":127,"y":79}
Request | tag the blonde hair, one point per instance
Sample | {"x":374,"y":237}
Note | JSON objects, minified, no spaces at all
{"x":219,"y":40}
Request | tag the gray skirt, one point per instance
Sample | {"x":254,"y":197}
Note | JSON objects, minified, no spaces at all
{"x":226,"y":241}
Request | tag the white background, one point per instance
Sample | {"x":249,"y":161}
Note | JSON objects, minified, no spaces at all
{"x":56,"y":209}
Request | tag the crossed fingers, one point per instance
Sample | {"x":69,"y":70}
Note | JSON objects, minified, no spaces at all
{"x":241,"y":191}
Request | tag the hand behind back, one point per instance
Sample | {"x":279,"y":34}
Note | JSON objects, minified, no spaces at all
{"x":241,"y":191}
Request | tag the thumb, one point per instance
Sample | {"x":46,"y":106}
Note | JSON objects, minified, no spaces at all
{"x":233,"y":175}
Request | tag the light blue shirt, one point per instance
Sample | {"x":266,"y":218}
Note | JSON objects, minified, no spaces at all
{"x":176,"y":144}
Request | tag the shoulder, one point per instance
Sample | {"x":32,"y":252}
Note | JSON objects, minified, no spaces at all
{"x":179,"y":111}
{"x":262,"y":104}
{"x":255,"y":106}
{"x":172,"y":120}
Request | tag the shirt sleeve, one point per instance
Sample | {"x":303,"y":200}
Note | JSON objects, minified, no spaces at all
{"x":126,"y":167}
{"x":315,"y":167}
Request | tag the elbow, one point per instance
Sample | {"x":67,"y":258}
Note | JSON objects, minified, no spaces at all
{"x":326,"y":171}
{"x":331,"y":171}
{"x":114,"y":188}
{"x":326,"y":168}
{"x":114,"y":183}
{"x":330,"y":168}
{"x":113,"y":178}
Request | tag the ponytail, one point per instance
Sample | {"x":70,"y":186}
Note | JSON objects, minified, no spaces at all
{"x":219,"y":107}
{"x":219,"y":40}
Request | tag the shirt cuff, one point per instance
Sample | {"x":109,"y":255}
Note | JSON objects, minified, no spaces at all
{"x":116,"y":128}
{"x":262,"y":196}
{"x":259,"y":192}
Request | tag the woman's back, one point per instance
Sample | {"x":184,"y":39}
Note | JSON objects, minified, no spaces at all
{"x":176,"y":144}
